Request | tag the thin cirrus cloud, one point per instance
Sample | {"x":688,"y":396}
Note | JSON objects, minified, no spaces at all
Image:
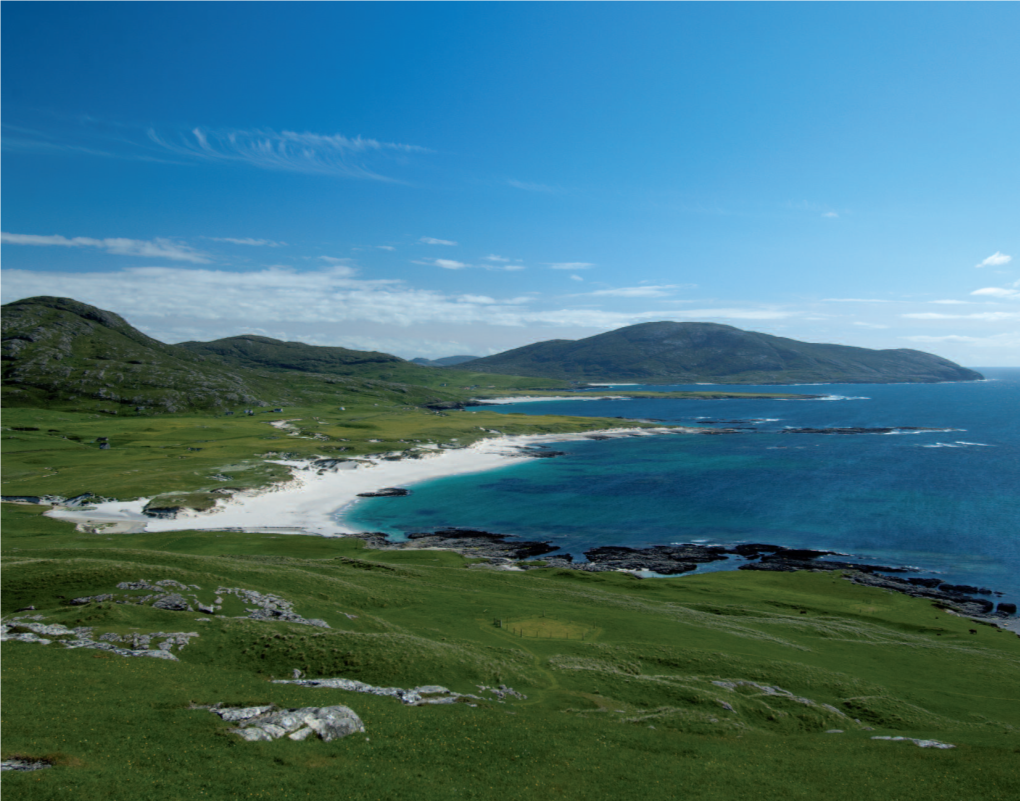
{"x":635,"y":292}
{"x":158,"y":248}
{"x":165,"y":298}
{"x":1009,"y":339}
{"x":289,"y":151}
{"x":997,"y":259}
{"x":531,"y":187}
{"x":569,"y":265}
{"x":268,"y":243}
{"x":446,"y":264}
{"x":431,"y":240}
{"x":988,"y":316}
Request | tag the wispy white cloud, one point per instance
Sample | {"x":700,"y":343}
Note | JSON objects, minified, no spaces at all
{"x":576,"y":278}
{"x":569,"y":265}
{"x":494,"y":257}
{"x":334,"y":259}
{"x":1009,"y":339}
{"x":635,"y":291}
{"x":446,"y":264}
{"x":431,"y":240}
{"x":830,"y":214}
{"x":995,"y":260}
{"x":997,"y":292}
{"x":156,"y":248}
{"x":989,"y":316}
{"x":530,"y":187}
{"x":166,"y":298}
{"x":951,"y":302}
{"x":289,"y":151}
{"x":256,"y":242}
{"x":868,"y":325}
{"x":385,"y":247}
{"x":855,"y":300}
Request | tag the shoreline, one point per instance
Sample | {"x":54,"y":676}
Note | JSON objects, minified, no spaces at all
{"x":308,"y":502}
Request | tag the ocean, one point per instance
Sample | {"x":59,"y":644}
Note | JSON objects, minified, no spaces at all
{"x":944,"y":503}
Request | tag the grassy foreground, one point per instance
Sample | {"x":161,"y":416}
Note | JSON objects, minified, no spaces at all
{"x":618,"y":671}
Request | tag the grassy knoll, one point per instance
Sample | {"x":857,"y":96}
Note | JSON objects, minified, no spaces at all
{"x":629,"y":712}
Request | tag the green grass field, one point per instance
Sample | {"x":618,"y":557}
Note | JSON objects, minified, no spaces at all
{"x":630,"y":711}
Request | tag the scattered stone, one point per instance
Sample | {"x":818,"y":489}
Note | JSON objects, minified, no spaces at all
{"x":419,"y":696}
{"x":21,"y":763}
{"x":389,"y":492}
{"x":173,"y":603}
{"x":268,"y":723}
{"x":918,"y":743}
{"x":270,"y":607}
{"x":833,"y":731}
{"x":500,"y":692}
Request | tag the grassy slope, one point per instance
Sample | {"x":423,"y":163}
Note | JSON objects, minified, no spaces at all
{"x":121,"y":728}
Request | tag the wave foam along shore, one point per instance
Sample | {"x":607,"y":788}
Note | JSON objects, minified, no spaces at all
{"x":307,"y":503}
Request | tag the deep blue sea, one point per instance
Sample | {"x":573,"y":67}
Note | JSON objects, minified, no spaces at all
{"x":946,"y":503}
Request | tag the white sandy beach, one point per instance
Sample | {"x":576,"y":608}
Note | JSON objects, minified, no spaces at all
{"x":308,"y":502}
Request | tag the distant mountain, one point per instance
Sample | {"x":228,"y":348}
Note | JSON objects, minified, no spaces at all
{"x":446,"y":361}
{"x":686,"y":353}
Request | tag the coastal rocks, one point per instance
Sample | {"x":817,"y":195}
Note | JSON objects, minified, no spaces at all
{"x":540,"y":452}
{"x":267,"y":723}
{"x":468,"y":542}
{"x":957,"y":601}
{"x":419,"y":696}
{"x":388,"y":492}
{"x":918,"y":743}
{"x":471,"y":542}
{"x":162,"y":512}
{"x":665,"y":559}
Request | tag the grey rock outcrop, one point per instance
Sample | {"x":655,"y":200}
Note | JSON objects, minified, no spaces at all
{"x":915,"y":741}
{"x":256,"y":723}
{"x":419,"y":696}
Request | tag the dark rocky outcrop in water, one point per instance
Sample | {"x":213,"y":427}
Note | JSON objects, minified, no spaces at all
{"x":502,"y":550}
{"x":388,"y":492}
{"x":668,"y":560}
{"x":469,"y":542}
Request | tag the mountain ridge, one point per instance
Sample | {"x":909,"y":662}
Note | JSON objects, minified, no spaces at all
{"x":687,"y":353}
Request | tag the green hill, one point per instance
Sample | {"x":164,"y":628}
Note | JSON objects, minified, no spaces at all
{"x":264,"y":353}
{"x":684,"y":353}
{"x":63,"y":353}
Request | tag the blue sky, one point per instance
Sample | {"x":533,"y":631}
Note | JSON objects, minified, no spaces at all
{"x":430,"y":179}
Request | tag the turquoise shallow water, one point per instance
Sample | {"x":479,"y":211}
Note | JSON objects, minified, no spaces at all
{"x":947,"y":503}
